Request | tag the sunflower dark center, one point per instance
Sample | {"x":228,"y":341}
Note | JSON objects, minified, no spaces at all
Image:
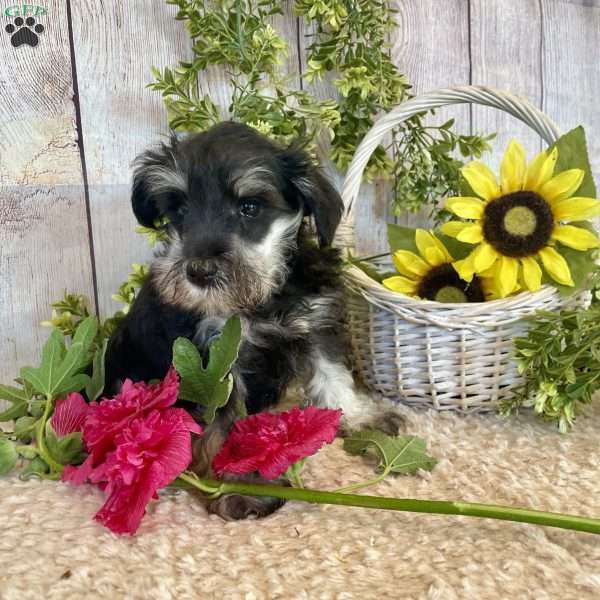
{"x":443,"y":284}
{"x":518,"y":224}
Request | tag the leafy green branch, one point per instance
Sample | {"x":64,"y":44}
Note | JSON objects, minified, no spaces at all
{"x":560,"y":361}
{"x":349,"y":45}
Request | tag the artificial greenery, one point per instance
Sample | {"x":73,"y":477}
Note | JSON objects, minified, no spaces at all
{"x":209,"y":385}
{"x":68,"y":364}
{"x":348,"y":44}
{"x":560,"y":361}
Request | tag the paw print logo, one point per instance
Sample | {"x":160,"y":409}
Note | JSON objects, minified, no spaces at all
{"x":27,"y":34}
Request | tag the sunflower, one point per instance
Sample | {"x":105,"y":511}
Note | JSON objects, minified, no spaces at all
{"x":516,"y":222}
{"x":431,"y":275}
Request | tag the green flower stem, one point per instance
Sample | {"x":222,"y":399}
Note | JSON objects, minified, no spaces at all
{"x":40,"y":438}
{"x":204,"y":485}
{"x":442,"y":507}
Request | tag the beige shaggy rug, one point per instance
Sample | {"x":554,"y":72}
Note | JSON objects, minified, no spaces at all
{"x":50,"y":548}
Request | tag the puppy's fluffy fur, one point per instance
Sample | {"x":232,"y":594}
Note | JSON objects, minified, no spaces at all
{"x":236,"y":206}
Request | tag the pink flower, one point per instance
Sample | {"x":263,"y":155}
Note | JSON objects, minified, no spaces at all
{"x":270,"y":442}
{"x":138,"y":443}
{"x":69,"y":414}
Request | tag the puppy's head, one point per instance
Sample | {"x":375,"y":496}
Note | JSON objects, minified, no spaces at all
{"x":234,"y":202}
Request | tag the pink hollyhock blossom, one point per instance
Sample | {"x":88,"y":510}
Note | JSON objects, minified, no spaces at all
{"x":138,"y":443}
{"x":69,"y":414}
{"x":270,"y":442}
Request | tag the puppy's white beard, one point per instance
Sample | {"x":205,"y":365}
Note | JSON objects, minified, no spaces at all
{"x":262,"y":271}
{"x":268,"y":257}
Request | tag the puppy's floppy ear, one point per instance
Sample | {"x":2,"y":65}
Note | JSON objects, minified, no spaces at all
{"x":157,"y":175}
{"x":318,"y":197}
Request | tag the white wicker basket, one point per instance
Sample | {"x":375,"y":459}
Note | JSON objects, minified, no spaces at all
{"x":446,"y":356}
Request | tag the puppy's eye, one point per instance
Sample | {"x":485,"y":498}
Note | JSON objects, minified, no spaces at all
{"x":249,"y":208}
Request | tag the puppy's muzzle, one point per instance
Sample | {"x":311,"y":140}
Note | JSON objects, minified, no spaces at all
{"x":202,"y":272}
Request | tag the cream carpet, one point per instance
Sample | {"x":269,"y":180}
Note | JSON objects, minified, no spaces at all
{"x":50,"y":548}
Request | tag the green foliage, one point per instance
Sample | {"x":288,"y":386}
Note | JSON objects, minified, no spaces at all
{"x":350,"y":47}
{"x":95,"y":385}
{"x":401,"y":454}
{"x":209,"y":385}
{"x":8,"y":456}
{"x":66,"y":450}
{"x":68,"y":313}
{"x":560,"y":360}
{"x":573,"y":154}
{"x":63,"y":369}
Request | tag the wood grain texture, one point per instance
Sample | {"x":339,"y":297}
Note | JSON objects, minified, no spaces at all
{"x":115,"y":45}
{"x":431,"y":45}
{"x":43,"y":225}
{"x":506,"y":54}
{"x":571,"y":75}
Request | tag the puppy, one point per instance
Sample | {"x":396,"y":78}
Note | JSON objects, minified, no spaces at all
{"x":236,"y":207}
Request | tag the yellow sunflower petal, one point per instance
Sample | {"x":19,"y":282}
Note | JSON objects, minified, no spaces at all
{"x":562,"y":186}
{"x":401,"y":284}
{"x":540,"y":170}
{"x":505,"y":278}
{"x":575,"y":237}
{"x":431,"y":249}
{"x":556,"y":266}
{"x":453,"y":228}
{"x":465,"y":207}
{"x":532,"y":273}
{"x":576,"y":209}
{"x":409,"y":264}
{"x":465,"y":267}
{"x":513,"y":168}
{"x":485,"y":257}
{"x":482,"y":180}
{"x":471,"y":235}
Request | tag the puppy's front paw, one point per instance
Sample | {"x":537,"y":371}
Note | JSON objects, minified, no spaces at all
{"x":376,"y":414}
{"x":234,"y":507}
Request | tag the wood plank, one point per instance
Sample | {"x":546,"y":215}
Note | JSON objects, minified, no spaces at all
{"x":44,"y":242}
{"x":120,"y":117}
{"x":570,"y":68}
{"x":506,"y":54}
{"x":431,"y":45}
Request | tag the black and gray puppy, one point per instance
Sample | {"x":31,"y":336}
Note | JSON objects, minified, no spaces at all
{"x":236,"y":204}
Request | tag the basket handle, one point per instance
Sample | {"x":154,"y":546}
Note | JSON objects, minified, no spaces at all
{"x":517,"y":107}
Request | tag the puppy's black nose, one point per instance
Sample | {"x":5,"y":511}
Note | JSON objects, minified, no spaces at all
{"x":201,"y":272}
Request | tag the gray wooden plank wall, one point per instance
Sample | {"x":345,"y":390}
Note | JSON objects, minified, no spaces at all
{"x":74,"y":112}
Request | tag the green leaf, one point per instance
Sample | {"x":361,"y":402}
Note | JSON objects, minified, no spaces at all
{"x":28,"y":452}
{"x":8,"y":456}
{"x":95,"y":386}
{"x":85,"y":335}
{"x":73,"y":383}
{"x":211,"y":385}
{"x":52,"y":355}
{"x":37,"y":466}
{"x":402,"y":454}
{"x":23,"y":428}
{"x":401,"y":238}
{"x":13,"y":394}
{"x":573,"y":154}
{"x":18,"y":409}
{"x":66,"y":450}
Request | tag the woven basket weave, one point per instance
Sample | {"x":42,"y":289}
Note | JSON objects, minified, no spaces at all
{"x":446,"y":356}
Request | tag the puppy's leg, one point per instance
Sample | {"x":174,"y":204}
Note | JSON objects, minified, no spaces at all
{"x":331,"y":385}
{"x":230,"y":507}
